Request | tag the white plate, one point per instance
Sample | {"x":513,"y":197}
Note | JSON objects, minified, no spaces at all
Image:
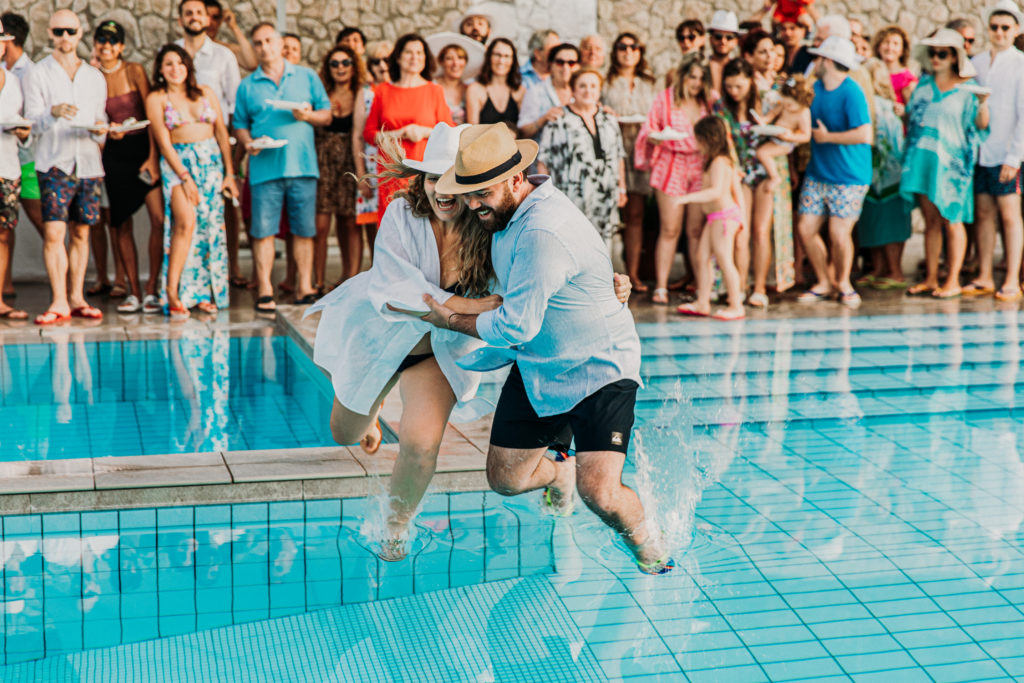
{"x":285,"y":104}
{"x":669,"y":134}
{"x":16,"y":123}
{"x":268,"y":143}
{"x":768,"y":130}
{"x":976,"y":89}
{"x":91,"y":127}
{"x":128,"y":125}
{"x":634,"y":118}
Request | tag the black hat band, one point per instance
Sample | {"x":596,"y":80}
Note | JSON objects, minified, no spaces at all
{"x":491,"y":174}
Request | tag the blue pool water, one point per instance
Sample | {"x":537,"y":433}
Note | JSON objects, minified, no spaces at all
{"x":201,"y":393}
{"x":848,"y":496}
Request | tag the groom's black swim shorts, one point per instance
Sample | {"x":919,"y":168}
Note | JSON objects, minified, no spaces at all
{"x":600,"y":422}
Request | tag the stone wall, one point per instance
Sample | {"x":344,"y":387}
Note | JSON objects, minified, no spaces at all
{"x":151,"y":23}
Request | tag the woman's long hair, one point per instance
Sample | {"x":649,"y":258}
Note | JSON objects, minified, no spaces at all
{"x":192,"y":90}
{"x":689,"y":62}
{"x":740,"y":67}
{"x":429,"y":65}
{"x":513,"y":79}
{"x":476,"y":274}
{"x":642,"y":69}
{"x":358,"y":74}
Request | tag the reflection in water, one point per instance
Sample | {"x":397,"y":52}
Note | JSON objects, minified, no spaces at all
{"x":77,"y":581}
{"x":199,"y":392}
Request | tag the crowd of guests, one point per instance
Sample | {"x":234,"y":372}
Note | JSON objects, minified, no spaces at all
{"x":782,"y":156}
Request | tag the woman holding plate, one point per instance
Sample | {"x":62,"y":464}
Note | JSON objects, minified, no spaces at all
{"x":129,"y":156}
{"x":195,"y":170}
{"x":667,"y":148}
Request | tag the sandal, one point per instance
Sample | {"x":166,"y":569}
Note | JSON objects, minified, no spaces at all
{"x":921,"y":289}
{"x":307,"y":300}
{"x":118,"y":292}
{"x":885,"y":283}
{"x":973,"y":289}
{"x":99,"y":289}
{"x":13,"y":314}
{"x":88,"y":312}
{"x":151,"y":304}
{"x":178,"y":313}
{"x":1008,"y":297}
{"x":261,"y":304}
{"x":758,"y":300}
{"x":131,"y":304}
{"x":662,"y":566}
{"x":639,"y":286}
{"x":207,"y":307}
{"x":239,"y":282}
{"x":691,"y":310}
{"x":52,"y":318}
{"x":948,"y":293}
{"x":850,"y":299}
{"x":812,"y":297}
{"x":660,"y":296}
{"x":728,"y":316}
{"x":865,"y":280}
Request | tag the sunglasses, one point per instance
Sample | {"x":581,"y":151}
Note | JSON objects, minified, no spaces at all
{"x":938,"y":54}
{"x":565,"y":62}
{"x":968,"y":41}
{"x":106,"y":40}
{"x":335,"y":63}
{"x":688,"y":37}
{"x":996,"y":28}
{"x":715,"y":35}
{"x":62,"y":31}
{"x":378,"y":60}
{"x":625,"y":47}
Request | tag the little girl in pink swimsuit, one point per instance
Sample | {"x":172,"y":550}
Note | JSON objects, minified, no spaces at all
{"x":720,"y":200}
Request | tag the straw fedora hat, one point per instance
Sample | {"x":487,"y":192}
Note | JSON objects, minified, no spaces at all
{"x":488,"y":154}
{"x":946,"y":37}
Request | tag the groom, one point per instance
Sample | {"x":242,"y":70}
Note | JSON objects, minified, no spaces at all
{"x":577,"y":364}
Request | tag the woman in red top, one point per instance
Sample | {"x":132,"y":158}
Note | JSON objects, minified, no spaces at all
{"x":408,"y":107}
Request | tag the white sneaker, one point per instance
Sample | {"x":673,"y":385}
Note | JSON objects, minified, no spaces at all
{"x":151,"y":304}
{"x":130,"y":305}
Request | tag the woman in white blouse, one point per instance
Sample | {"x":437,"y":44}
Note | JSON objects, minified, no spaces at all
{"x":11,"y":107}
{"x":423,"y":246}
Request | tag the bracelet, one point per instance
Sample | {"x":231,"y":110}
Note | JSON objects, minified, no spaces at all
{"x":449,"y":325}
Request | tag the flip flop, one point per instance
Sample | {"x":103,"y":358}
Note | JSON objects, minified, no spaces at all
{"x":88,"y":312}
{"x":973,"y":289}
{"x":307,"y":300}
{"x":812,"y":297}
{"x":13,"y":314}
{"x":662,"y":566}
{"x":920,"y":289}
{"x":884,"y":283}
{"x":1014,"y":295}
{"x":690,"y":310}
{"x":178,"y":313}
{"x":207,"y":307}
{"x":52,"y":318}
{"x":948,"y":294}
{"x":728,"y":316}
{"x":850,"y":299}
{"x":656,"y":294}
{"x":261,"y":304}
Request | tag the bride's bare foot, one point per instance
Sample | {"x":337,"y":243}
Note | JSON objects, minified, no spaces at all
{"x":370,"y":443}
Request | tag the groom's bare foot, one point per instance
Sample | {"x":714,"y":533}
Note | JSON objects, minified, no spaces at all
{"x":558,"y":496}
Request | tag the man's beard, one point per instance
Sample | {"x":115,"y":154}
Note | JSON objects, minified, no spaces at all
{"x":194,"y":32}
{"x":500,"y":216}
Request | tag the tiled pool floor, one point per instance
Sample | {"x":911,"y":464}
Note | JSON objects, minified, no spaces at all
{"x":858,"y":496}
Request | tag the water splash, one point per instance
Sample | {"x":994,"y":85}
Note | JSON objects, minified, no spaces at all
{"x":675,"y":464}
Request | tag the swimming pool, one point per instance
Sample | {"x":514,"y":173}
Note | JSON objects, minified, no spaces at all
{"x":203,"y":392}
{"x":849,"y":493}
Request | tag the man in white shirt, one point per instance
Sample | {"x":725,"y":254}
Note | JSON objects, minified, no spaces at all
{"x":997,"y":176}
{"x":216,"y":65}
{"x":65,"y":99}
{"x":15,"y":32}
{"x":11,"y":107}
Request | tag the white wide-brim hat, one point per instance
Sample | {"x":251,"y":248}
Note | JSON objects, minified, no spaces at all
{"x":1005,"y":7}
{"x":839,"y":50}
{"x":946,"y":37}
{"x":439,"y":154}
{"x":474,"y":51}
{"x":724,"y":21}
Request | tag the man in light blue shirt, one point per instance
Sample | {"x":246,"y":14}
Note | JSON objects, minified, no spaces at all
{"x":577,"y":353}
{"x":281,"y":177}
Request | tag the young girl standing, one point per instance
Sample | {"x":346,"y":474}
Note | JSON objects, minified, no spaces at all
{"x":720,"y":201}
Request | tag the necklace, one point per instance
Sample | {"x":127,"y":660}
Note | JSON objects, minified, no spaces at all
{"x":110,"y":71}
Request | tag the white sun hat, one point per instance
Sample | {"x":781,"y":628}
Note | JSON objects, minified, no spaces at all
{"x":474,"y":51}
{"x":946,"y":37}
{"x":724,"y":21}
{"x":442,"y":146}
{"x":839,"y":50}
{"x":1005,"y":7}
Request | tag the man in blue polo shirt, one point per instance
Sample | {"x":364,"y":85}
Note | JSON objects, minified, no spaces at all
{"x":282,"y":177}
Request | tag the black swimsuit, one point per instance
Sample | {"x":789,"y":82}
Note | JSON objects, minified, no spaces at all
{"x":417,"y":358}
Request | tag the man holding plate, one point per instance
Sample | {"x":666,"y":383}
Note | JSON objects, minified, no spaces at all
{"x":66,"y":99}
{"x":275,"y":111}
{"x":14,"y":135}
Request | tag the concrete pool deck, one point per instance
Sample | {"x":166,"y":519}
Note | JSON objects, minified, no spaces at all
{"x":304,"y":473}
